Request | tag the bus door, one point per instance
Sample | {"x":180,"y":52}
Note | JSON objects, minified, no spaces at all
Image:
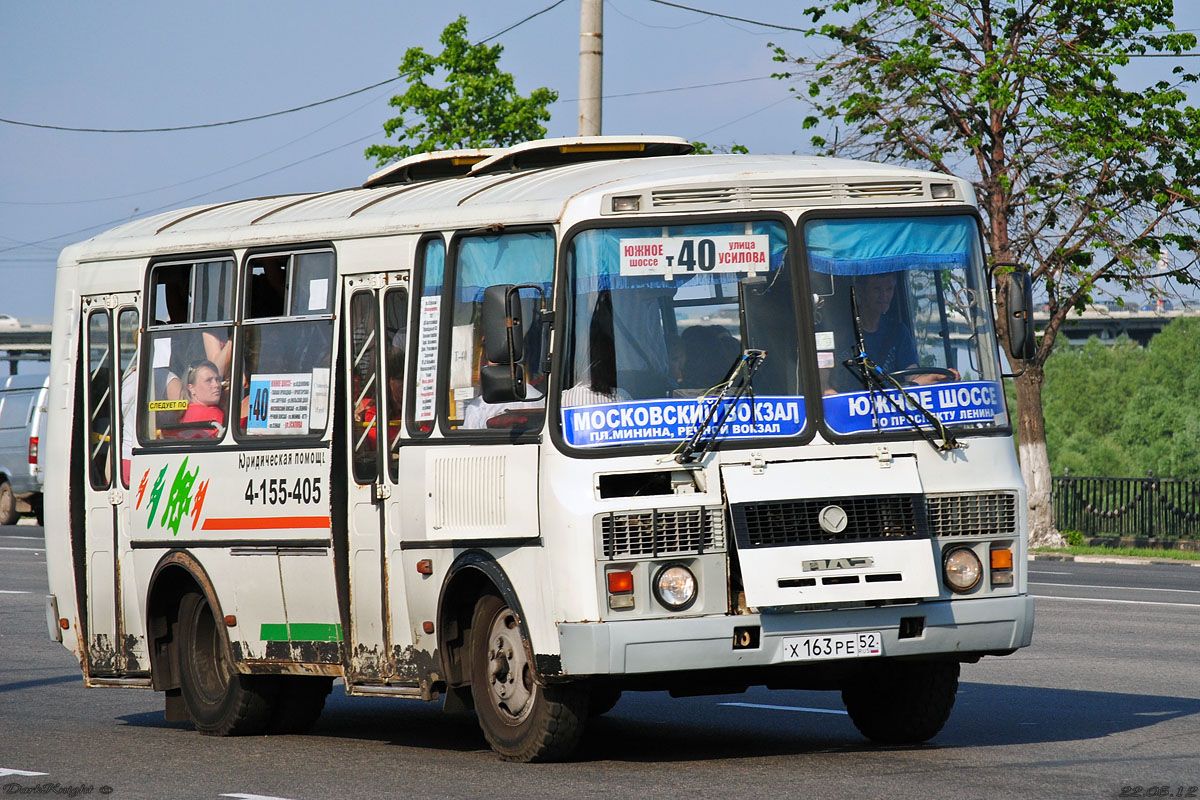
{"x":116,"y":636}
{"x":373,"y":370}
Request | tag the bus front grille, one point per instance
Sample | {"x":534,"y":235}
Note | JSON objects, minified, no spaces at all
{"x":660,"y":532}
{"x":973,"y":514}
{"x":798,"y":522}
{"x":875,"y":518}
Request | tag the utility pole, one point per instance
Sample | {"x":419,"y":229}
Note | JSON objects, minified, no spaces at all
{"x":591,"y":65}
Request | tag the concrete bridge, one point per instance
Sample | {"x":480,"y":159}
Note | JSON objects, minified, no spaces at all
{"x":1107,"y":324}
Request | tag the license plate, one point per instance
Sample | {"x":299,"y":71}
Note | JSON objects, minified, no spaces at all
{"x":839,"y":645}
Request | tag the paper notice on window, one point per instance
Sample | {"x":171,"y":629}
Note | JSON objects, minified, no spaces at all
{"x":692,"y":255}
{"x":427,"y":352}
{"x":280,"y":404}
{"x":318,"y":294}
{"x":161,"y":357}
{"x":318,"y":410}
{"x":462,"y":356}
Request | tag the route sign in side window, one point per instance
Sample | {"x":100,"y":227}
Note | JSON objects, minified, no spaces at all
{"x":287,"y":341}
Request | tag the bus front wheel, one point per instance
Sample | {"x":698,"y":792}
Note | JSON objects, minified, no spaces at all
{"x":522,"y":720}
{"x":902,"y":702}
{"x":220,"y":700}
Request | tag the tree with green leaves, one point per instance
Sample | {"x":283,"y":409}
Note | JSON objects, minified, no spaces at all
{"x":1079,"y":178}
{"x":476,"y":105}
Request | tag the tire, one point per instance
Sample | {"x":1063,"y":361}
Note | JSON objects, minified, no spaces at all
{"x":39,"y":511}
{"x":220,"y":700}
{"x":522,"y":720}
{"x":8,"y":505}
{"x":602,"y":699}
{"x":300,"y":702}
{"x":902,"y":702}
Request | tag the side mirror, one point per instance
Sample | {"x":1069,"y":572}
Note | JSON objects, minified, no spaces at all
{"x":502,"y":380}
{"x":1021,"y":342}
{"x":503,"y":328}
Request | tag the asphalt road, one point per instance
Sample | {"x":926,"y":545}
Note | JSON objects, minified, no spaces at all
{"x":1106,"y":699}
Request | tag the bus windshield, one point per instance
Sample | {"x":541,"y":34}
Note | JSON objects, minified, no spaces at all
{"x":909,"y":293}
{"x":658,"y":318}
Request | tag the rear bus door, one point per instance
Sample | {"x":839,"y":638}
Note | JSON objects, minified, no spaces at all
{"x":116,"y":638}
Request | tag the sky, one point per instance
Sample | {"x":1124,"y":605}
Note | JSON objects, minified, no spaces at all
{"x":141,"y":64}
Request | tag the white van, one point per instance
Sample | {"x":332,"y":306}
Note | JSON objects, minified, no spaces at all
{"x":22,"y":422}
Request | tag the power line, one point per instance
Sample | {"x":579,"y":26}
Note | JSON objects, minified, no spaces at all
{"x":206,"y":124}
{"x":175,"y":128}
{"x":675,"y":89}
{"x":519,"y":24}
{"x":735,"y":19}
{"x":189,"y":199}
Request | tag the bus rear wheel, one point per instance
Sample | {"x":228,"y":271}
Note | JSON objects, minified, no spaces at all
{"x":521,"y":719}
{"x":903,"y":702}
{"x":220,"y":700}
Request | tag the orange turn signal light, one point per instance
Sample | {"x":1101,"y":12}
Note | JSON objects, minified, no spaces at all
{"x":425,"y":566}
{"x":1002,"y":559}
{"x":64,"y":623}
{"x":620,"y":582}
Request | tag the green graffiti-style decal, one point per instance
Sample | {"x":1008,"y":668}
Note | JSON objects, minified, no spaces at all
{"x":181,"y":497}
{"x":156,"y":494}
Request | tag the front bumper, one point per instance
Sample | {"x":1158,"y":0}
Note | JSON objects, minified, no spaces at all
{"x":963,"y":627}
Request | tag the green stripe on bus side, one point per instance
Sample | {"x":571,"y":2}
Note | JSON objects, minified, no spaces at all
{"x":301,"y":632}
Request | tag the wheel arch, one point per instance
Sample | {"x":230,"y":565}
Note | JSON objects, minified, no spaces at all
{"x":473,"y":574}
{"x":176,"y":574}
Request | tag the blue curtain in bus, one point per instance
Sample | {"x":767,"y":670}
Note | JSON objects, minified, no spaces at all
{"x":435,"y":268}
{"x":508,"y":258}
{"x":597,"y":261}
{"x":872,"y":246}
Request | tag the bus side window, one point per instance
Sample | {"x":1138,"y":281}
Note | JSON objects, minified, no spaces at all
{"x":427,"y":313}
{"x":287,"y":344}
{"x":482,"y":261}
{"x":189,"y":349}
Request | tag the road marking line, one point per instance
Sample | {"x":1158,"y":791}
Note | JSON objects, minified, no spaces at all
{"x":12,"y":591}
{"x":254,"y":797}
{"x":786,"y":708}
{"x":1047,"y":572}
{"x":30,"y":538}
{"x":1123,"y":602}
{"x":26,"y":549}
{"x":4,"y":771}
{"x":1115,"y":588}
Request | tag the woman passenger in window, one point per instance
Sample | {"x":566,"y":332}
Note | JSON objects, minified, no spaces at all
{"x":202,"y":389}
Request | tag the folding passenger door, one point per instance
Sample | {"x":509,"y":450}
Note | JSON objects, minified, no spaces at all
{"x":116,"y":637}
{"x":372,"y":373}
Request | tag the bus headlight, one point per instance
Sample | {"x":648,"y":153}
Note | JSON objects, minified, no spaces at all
{"x":961,"y":569}
{"x":675,"y":587}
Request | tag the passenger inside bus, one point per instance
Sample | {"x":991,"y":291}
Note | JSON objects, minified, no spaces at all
{"x":481,"y":415}
{"x":708,"y":351}
{"x":205,"y":416}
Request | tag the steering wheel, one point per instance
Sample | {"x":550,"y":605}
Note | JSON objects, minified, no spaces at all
{"x":942,"y":373}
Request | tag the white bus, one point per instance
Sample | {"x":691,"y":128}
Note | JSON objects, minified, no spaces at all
{"x":522,"y":429}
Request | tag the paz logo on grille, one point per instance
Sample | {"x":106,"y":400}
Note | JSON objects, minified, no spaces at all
{"x":832,"y":519}
{"x":822,"y":564}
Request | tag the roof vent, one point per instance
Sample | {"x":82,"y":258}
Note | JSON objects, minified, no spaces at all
{"x":578,"y":149}
{"x":429,"y":166}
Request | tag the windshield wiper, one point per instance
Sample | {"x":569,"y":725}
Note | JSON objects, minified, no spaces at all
{"x":878,"y":380}
{"x":740,"y":380}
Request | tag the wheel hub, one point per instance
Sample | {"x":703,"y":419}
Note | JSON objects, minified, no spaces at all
{"x":510,"y":679}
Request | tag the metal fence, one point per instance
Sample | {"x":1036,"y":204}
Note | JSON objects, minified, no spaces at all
{"x":1162,"y":508}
